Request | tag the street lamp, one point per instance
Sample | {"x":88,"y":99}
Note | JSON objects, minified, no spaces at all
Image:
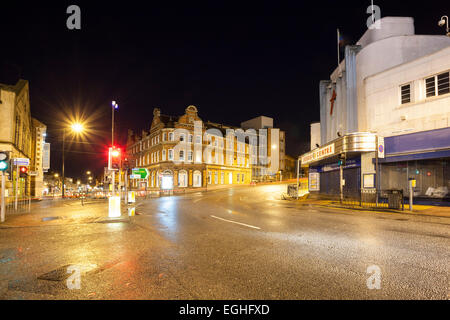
{"x":76,"y":128}
{"x":442,"y":23}
{"x":114,"y":106}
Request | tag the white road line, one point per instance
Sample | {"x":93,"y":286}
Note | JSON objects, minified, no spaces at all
{"x":243,"y":224}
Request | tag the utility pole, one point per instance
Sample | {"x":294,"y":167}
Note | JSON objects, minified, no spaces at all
{"x":377,"y":172}
{"x":298,"y":173}
{"x":63,"y":176}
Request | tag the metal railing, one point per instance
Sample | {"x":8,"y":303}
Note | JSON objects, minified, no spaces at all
{"x":371,"y":198}
{"x":20,"y":205}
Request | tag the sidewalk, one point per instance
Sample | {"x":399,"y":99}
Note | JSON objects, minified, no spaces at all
{"x":53,"y":213}
{"x":438,"y":211}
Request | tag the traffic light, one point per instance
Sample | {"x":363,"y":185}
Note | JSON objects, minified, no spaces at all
{"x":23,"y":171}
{"x":114,"y":157}
{"x":4,"y":160}
{"x":341,"y":161}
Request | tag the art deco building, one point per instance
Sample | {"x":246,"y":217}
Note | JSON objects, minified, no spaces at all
{"x":182,"y":153}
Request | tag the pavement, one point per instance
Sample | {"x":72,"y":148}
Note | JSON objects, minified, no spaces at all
{"x":238,"y":243}
{"x":439,"y":211}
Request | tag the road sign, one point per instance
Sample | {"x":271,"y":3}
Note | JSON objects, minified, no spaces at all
{"x":135,"y":176}
{"x":380,"y":147}
{"x":21,"y":161}
{"x":142,"y":172}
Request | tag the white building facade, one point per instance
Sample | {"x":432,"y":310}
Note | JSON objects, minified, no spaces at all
{"x":392,"y":85}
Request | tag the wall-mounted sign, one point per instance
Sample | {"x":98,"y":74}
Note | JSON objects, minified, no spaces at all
{"x":318,"y":154}
{"x":46,"y":156}
{"x":369,"y":180}
{"x":314,"y":181}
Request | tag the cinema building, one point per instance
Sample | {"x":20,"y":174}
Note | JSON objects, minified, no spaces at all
{"x":173,"y":151}
{"x":388,"y":102}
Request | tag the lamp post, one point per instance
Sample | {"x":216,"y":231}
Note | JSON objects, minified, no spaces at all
{"x":114,"y":106}
{"x":443,"y":22}
{"x":77,"y":128}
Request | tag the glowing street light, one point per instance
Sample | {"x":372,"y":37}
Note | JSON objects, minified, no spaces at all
{"x":77,"y":127}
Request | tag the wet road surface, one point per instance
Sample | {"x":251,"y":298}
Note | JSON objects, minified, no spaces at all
{"x":240,"y":243}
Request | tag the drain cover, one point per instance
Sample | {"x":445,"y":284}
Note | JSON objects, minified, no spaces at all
{"x":50,"y":218}
{"x":59,"y":274}
{"x":62,"y":273}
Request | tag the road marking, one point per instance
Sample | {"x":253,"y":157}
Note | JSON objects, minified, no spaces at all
{"x":197,"y":200}
{"x":243,"y":224}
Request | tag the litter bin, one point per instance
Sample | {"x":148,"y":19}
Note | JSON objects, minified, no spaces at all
{"x":395,"y":199}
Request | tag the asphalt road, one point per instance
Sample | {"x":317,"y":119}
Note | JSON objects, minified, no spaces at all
{"x":240,"y":243}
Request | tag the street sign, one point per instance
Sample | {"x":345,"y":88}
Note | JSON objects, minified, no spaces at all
{"x":380,"y":147}
{"x":142,"y":172}
{"x":21,"y":161}
{"x":135,"y":176}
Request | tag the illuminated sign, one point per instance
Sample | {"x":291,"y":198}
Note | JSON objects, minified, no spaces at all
{"x":318,"y":154}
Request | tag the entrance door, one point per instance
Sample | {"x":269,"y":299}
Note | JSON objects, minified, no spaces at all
{"x":230,"y":178}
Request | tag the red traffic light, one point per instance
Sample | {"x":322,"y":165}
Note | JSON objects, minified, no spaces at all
{"x":23,"y":169}
{"x":115,"y":153}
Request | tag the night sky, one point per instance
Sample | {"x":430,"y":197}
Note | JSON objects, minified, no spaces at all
{"x":233,"y":60}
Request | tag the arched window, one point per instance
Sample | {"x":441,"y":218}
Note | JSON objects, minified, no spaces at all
{"x":197,"y":177}
{"x":182,"y":179}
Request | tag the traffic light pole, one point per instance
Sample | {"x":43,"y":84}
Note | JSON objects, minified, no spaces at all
{"x":17,"y":187}
{"x":3,"y":207}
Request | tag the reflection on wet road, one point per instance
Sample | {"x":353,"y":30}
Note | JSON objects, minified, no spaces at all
{"x":240,"y":243}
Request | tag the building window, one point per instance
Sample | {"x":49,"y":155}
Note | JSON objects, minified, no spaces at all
{"x":209,"y":177}
{"x":170,"y":154}
{"x":189,"y":155}
{"x":190,"y":138}
{"x":171,"y":136}
{"x":222,"y":177}
{"x":242,"y":177}
{"x":437,"y":85}
{"x":197,"y":179}
{"x":164,"y":136}
{"x":164,"y":155}
{"x":405,"y":92}
{"x":182,"y":179}
{"x":216,"y":178}
{"x":157,"y":156}
{"x":181,"y":155}
{"x":237,"y":180}
{"x":443,"y":85}
{"x":197,"y":139}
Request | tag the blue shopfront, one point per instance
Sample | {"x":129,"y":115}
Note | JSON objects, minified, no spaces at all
{"x":423,"y":156}
{"x":329,"y":177}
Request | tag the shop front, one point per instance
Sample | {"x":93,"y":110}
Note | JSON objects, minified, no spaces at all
{"x":343,"y":164}
{"x":422,"y":156}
